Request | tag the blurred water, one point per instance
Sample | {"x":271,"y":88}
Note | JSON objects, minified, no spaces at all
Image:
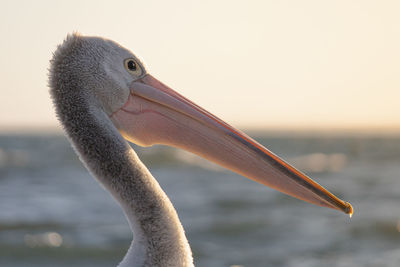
{"x":53,"y":213}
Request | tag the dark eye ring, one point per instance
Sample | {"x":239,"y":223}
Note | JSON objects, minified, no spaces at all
{"x":131,"y":65}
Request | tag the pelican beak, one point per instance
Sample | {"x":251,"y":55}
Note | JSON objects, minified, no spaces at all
{"x":156,"y":114}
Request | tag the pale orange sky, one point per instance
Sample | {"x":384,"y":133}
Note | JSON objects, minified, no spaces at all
{"x":261,"y":64}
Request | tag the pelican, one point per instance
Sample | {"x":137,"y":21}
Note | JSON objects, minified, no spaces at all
{"x":104,"y":96}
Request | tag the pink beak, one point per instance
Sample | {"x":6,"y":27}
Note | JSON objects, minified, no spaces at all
{"x":156,"y":114}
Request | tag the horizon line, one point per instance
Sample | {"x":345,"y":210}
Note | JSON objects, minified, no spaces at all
{"x":306,"y":130}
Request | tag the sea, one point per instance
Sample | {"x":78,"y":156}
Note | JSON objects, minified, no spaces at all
{"x":53,"y":213}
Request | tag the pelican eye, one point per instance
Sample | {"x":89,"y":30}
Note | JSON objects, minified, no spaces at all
{"x":132,"y":67}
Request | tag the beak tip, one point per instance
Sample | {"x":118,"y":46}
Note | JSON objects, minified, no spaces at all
{"x":349,"y":209}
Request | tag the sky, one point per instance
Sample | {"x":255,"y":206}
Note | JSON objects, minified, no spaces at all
{"x":257,"y":64}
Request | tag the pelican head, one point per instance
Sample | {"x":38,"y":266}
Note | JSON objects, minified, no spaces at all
{"x":110,"y":80}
